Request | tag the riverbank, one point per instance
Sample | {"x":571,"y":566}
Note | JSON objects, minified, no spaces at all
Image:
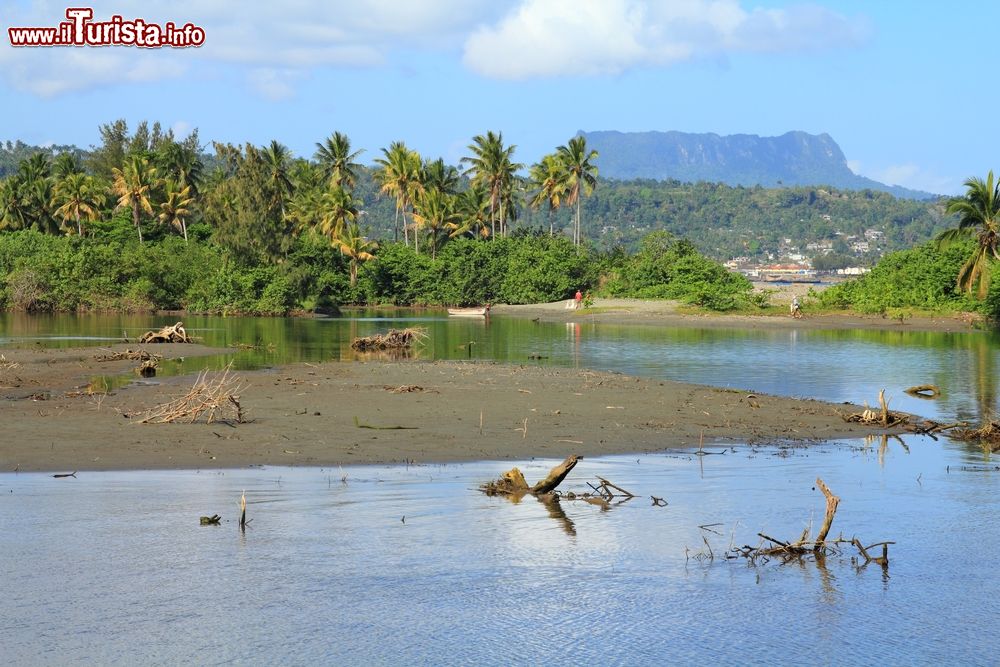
{"x":378,"y":412}
{"x":669,"y":314}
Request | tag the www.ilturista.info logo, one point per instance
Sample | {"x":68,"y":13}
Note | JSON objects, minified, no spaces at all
{"x":80,"y":30}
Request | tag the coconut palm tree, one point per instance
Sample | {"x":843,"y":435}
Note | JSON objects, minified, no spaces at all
{"x":490,"y":165}
{"x":176,"y":206}
{"x":399,"y":176}
{"x":439,"y":176}
{"x":549,"y":177}
{"x":14,"y":214}
{"x":978,"y":217}
{"x":337,"y":161}
{"x":581,"y":175}
{"x":276,"y":157}
{"x":337,"y":210}
{"x":473,"y":206}
{"x":66,"y":164}
{"x":434,"y":212}
{"x":133,"y":184}
{"x":77,"y":196}
{"x":356,"y":248}
{"x":182,"y":164}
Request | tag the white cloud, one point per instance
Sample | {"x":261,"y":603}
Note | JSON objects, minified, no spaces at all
{"x":273,"y":84}
{"x":915,"y":177}
{"x":587,"y":37}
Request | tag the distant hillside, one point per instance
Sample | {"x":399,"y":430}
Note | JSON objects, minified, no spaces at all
{"x":794,"y":158}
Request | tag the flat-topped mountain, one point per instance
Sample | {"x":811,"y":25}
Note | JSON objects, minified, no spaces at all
{"x":794,"y":158}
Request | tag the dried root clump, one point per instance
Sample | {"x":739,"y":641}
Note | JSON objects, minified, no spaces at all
{"x":213,"y":397}
{"x":394,"y":339}
{"x":147,"y":369}
{"x":171,"y":334}
{"x":130,"y":355}
{"x":881,"y":417}
{"x":512,"y":482}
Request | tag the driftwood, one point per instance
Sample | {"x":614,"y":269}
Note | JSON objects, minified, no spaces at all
{"x":171,"y":334}
{"x":147,"y":369}
{"x":987,"y":435}
{"x":214,"y":398}
{"x":211,"y":520}
{"x":394,"y":339}
{"x":512,"y":482}
{"x":65,"y":474}
{"x":924,"y":391}
{"x":805,"y":546}
{"x":130,"y":355}
{"x":243,"y":511}
{"x":883,"y":416}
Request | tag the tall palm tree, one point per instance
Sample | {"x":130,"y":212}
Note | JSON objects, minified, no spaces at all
{"x":77,"y":196}
{"x":176,"y":206}
{"x":337,"y":161}
{"x":337,"y":210}
{"x":182,"y":164}
{"x":581,"y":175}
{"x":356,"y":248}
{"x":549,"y":178}
{"x":134,"y":184}
{"x":979,"y":218}
{"x":490,"y":165}
{"x":435,"y":212}
{"x":276,"y":157}
{"x":399,"y":176}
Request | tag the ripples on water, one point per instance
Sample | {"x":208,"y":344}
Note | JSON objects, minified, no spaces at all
{"x":114,"y":567}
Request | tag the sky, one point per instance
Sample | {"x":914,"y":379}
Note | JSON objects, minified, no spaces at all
{"x":905,"y":87}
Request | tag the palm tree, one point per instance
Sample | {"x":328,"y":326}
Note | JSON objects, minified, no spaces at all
{"x":979,"y":218}
{"x":439,"y":176}
{"x":13,"y":211}
{"x":181,"y":163}
{"x":435,"y":212}
{"x":276,"y":158}
{"x":581,"y":175}
{"x":337,"y":161}
{"x":549,"y":177}
{"x":66,"y":164}
{"x":77,"y":196}
{"x":356,"y":248}
{"x":176,"y":205}
{"x":490,"y":165}
{"x":399,"y":176}
{"x":133,"y":185}
{"x":337,"y":210}
{"x":473,"y":205}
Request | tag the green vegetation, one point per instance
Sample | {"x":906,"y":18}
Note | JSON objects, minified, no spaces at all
{"x":979,"y":218}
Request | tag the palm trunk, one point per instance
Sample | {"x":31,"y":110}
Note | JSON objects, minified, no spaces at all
{"x":354,"y":273}
{"x":395,"y":226}
{"x":135,"y":219}
{"x":578,"y":220}
{"x":79,"y":229}
{"x":551,"y":229}
{"x":184,"y":228}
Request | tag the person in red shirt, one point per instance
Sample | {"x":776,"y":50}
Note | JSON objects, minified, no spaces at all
{"x":578,"y":299}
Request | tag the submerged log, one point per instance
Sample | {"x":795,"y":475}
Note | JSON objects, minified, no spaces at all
{"x":924,"y":391}
{"x":556,"y":475}
{"x":512,"y":482}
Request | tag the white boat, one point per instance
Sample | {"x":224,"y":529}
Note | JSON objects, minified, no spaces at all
{"x":480,"y":311}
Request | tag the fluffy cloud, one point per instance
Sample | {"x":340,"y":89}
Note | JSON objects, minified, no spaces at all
{"x":587,"y":37}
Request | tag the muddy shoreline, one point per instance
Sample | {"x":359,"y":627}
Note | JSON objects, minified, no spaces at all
{"x":378,"y":412}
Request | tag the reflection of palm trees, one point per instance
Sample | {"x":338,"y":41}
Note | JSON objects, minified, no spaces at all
{"x":985,"y":384}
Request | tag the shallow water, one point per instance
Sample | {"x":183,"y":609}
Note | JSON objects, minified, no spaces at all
{"x":413,"y":566}
{"x":836,"y":366}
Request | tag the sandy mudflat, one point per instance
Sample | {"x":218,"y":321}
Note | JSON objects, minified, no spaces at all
{"x":665,"y":313}
{"x":316,"y":414}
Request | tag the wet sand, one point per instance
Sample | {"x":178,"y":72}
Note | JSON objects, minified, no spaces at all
{"x":668,"y":314}
{"x":378,"y":412}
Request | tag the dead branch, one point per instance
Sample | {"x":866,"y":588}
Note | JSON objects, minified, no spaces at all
{"x":924,"y":391}
{"x":213,"y":397}
{"x":170,"y":334}
{"x":211,"y":520}
{"x":147,"y":369}
{"x":832,"y":502}
{"x":883,"y":417}
{"x":556,"y":475}
{"x":987,"y":435}
{"x":512,"y":482}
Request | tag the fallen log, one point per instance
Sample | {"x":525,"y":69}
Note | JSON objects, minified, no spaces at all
{"x":129,"y":355}
{"x":169,"y":334}
{"x":512,"y":482}
{"x":394,"y":339}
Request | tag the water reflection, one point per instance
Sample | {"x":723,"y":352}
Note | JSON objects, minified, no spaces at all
{"x":836,"y":366}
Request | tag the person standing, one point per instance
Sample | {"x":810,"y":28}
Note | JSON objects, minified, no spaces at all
{"x":578,"y":300}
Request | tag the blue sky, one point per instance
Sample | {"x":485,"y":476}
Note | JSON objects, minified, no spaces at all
{"x":905,"y":88}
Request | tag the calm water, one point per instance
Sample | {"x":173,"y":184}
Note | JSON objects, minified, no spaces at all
{"x":831,"y":365}
{"x":113,"y":568}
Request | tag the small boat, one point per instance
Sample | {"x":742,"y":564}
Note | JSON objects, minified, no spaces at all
{"x":480,"y":311}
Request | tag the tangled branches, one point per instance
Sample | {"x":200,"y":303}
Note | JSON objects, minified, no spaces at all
{"x":171,"y":334}
{"x":213,"y":398}
{"x":395,"y":339}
